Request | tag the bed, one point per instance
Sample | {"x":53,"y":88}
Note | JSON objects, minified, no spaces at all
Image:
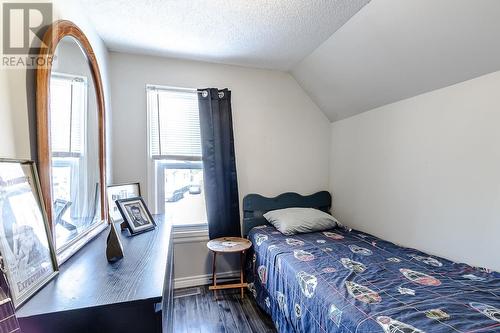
{"x":344,"y":280}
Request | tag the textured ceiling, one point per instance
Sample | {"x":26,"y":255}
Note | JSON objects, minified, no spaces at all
{"x":393,"y":49}
{"x":258,"y":33}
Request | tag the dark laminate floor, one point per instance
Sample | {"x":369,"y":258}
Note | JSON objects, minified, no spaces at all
{"x":201,"y":313}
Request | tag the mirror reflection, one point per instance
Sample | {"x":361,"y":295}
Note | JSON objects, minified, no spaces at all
{"x":74,"y":144}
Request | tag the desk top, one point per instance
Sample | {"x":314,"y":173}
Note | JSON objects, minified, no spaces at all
{"x":88,"y":280}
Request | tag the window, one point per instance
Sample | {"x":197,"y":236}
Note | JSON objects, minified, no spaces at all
{"x":68,"y":102}
{"x":68,"y":108}
{"x":175,"y":153}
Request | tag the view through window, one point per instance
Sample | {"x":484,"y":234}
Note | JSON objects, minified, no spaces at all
{"x":175,"y":145}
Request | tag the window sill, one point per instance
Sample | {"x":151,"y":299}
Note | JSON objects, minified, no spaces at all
{"x":190,"y":233}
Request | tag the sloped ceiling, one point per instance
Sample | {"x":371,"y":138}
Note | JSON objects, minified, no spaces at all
{"x":395,"y":49}
{"x":273,"y":34}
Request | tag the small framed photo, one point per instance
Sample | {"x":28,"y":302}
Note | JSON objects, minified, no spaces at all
{"x":136,"y":215}
{"x":121,"y":191}
{"x":29,"y":260}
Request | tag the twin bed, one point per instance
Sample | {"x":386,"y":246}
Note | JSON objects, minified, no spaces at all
{"x":343,"y":280}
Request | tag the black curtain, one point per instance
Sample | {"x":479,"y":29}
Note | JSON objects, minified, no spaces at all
{"x":219,"y":163}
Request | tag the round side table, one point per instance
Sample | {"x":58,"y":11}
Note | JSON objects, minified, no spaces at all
{"x":228,"y":245}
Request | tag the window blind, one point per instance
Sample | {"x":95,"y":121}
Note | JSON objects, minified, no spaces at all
{"x":174,"y":124}
{"x":67,"y":106}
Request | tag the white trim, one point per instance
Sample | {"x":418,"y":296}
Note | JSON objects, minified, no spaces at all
{"x":190,"y":234}
{"x":150,"y":164}
{"x":191,"y":239}
{"x":184,"y":228}
{"x":202,"y":280}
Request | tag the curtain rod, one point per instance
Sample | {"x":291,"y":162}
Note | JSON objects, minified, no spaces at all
{"x":204,"y":93}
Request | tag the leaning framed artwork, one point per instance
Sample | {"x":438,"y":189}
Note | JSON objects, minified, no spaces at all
{"x":118,"y":192}
{"x":26,"y":247}
{"x":136,"y":215}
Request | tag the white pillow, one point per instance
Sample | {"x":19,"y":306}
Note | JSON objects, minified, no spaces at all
{"x":291,"y":221}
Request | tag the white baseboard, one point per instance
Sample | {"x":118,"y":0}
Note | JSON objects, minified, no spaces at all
{"x":202,"y":280}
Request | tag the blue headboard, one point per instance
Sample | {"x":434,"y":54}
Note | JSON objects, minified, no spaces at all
{"x":255,"y":206}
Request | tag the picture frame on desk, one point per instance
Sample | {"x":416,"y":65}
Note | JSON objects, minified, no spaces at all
{"x":136,"y":215}
{"x":120,"y":191}
{"x":28,"y":255}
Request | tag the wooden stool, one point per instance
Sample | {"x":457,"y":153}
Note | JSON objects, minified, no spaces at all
{"x":228,"y":245}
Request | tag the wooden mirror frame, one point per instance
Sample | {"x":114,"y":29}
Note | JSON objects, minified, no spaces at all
{"x":55,"y":33}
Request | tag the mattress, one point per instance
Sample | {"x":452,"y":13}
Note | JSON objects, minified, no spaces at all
{"x":348,"y":281}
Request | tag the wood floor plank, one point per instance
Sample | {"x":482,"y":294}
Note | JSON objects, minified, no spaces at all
{"x":202,"y":313}
{"x":210,"y":312}
{"x":258,"y":320}
{"x":180,"y":318}
{"x":225,"y":312}
{"x":233,"y":301}
{"x":193,"y":315}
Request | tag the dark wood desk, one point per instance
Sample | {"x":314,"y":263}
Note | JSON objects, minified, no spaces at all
{"x":91,"y":295}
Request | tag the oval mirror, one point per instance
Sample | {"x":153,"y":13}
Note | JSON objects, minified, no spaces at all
{"x":71,"y":139}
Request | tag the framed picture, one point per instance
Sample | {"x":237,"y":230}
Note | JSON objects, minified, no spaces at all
{"x":26,"y":247}
{"x":136,"y":215}
{"x":121,"y":191}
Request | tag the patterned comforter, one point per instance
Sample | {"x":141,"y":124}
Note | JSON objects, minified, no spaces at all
{"x":348,"y":281}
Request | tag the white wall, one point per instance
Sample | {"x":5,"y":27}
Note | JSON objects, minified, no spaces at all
{"x":425,"y":172}
{"x":282,"y":140}
{"x":17,"y":92}
{"x":14,"y":133}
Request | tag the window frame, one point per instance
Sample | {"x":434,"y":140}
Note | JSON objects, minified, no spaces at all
{"x":58,"y":157}
{"x":83,"y":116}
{"x":156,"y":168}
{"x":66,"y":250}
{"x":74,"y":167}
